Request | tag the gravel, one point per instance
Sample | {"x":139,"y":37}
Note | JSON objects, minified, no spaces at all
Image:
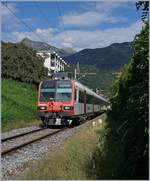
{"x":14,"y":163}
{"x":20,"y":140}
{"x":17,"y":131}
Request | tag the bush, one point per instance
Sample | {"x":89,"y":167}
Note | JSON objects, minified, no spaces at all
{"x":130,"y":109}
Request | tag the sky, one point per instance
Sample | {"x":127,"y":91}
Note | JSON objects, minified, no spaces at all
{"x":74,"y":24}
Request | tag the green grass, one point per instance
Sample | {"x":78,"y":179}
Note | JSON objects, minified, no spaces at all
{"x":19,"y":105}
{"x":70,"y":161}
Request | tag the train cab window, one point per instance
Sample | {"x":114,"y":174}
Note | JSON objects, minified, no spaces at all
{"x":64,"y":91}
{"x":63,"y":94}
{"x":47,"y":94}
{"x":90,"y":99}
{"x":81,"y":96}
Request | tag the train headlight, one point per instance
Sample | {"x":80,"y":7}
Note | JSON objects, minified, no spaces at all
{"x":42,"y":107}
{"x":67,"y":107}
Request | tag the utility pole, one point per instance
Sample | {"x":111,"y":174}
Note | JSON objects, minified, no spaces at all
{"x":77,"y":72}
{"x":78,"y":68}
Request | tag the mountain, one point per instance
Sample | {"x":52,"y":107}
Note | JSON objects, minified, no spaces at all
{"x":68,"y":50}
{"x":37,"y":45}
{"x":112,"y":57}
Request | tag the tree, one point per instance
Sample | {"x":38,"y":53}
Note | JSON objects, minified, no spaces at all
{"x":144,"y":5}
{"x":130,"y":108}
{"x":21,"y":63}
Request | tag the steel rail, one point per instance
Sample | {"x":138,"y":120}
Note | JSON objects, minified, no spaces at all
{"x":30,"y":142}
{"x":22,"y":134}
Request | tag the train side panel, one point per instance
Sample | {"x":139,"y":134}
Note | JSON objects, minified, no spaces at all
{"x":90,"y":109}
{"x":78,"y":108}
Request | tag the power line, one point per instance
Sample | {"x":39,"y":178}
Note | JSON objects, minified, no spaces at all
{"x":25,"y":24}
{"x":5,"y":4}
{"x":83,"y":74}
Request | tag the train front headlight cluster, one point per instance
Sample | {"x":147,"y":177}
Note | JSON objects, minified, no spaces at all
{"x":67,"y":107}
{"x":42,"y":107}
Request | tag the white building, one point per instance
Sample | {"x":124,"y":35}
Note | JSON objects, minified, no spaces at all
{"x":53,"y":61}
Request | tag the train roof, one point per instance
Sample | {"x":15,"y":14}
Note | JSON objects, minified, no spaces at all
{"x":89,"y":91}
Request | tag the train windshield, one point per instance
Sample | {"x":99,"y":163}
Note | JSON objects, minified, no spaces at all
{"x":47,"y":94}
{"x":56,"y":91}
{"x":63,"y":92}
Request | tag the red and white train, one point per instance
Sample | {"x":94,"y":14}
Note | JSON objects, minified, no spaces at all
{"x":65,"y":102}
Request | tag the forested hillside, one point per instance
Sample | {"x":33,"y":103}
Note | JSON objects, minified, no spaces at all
{"x":21,"y":63}
{"x":101,"y":79}
{"x":112,"y":57}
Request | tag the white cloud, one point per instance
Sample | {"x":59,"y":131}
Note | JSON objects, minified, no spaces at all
{"x":110,"y":6}
{"x":9,"y":21}
{"x":89,"y":18}
{"x":80,"y":39}
{"x":99,"y":38}
{"x":7,"y":17}
{"x":103,"y":13}
{"x":45,"y":31}
{"x":39,"y":34}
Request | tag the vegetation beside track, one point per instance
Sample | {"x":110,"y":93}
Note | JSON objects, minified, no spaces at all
{"x":19,"y":105}
{"x":130,"y":111}
{"x":124,"y":151}
{"x":71,"y":160}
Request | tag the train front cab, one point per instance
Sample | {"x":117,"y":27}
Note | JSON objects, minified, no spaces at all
{"x":56,"y":102}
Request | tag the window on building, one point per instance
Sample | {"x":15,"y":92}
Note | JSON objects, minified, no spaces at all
{"x":52,"y":56}
{"x":52,"y":64}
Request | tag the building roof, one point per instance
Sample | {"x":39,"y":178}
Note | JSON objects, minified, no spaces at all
{"x":45,"y":51}
{"x":49,"y":51}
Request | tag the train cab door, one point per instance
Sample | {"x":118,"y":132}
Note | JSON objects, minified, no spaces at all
{"x":76,"y":102}
{"x":76,"y":95}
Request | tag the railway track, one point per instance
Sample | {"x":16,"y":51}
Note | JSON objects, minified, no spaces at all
{"x":20,"y":135}
{"x":14,"y":148}
{"x":9,"y":141}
